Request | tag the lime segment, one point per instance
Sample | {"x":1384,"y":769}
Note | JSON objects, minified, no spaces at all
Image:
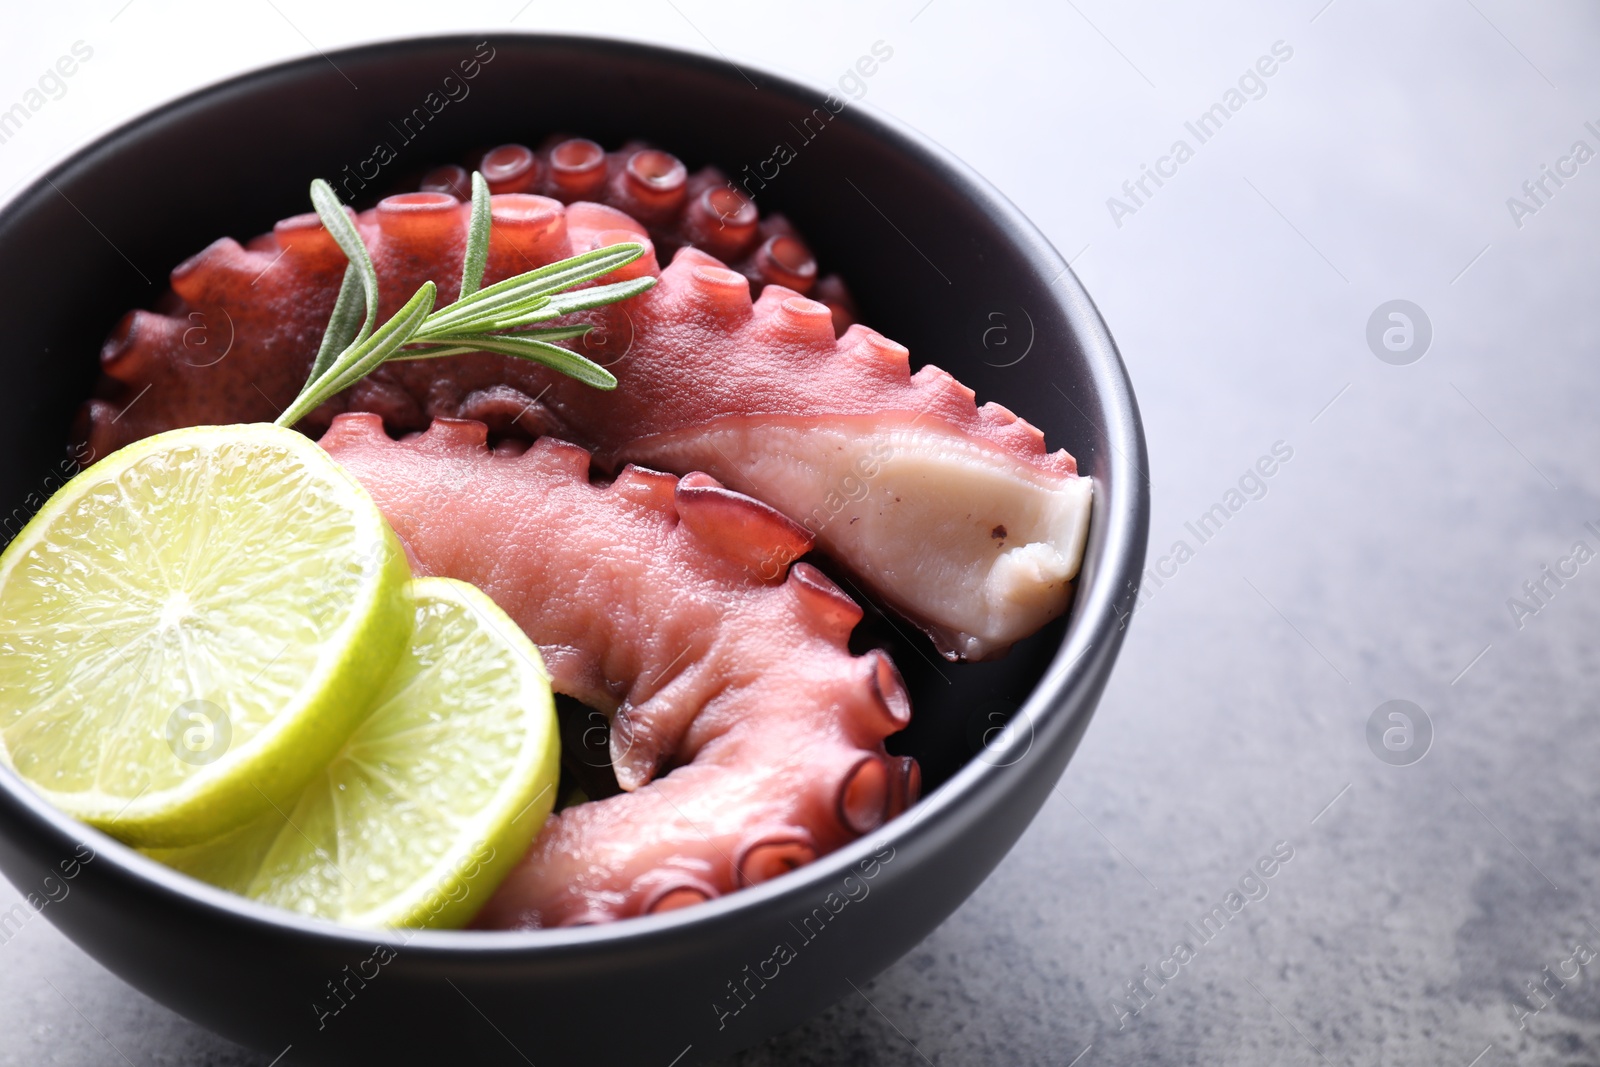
{"x":192,"y":627}
{"x":433,"y":798}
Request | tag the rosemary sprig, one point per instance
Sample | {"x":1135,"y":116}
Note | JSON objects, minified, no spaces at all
{"x":502,"y":318}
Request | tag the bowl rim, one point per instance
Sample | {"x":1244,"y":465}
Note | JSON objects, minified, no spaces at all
{"x":1096,"y":618}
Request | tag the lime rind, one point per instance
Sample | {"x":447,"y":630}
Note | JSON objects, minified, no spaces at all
{"x":431,"y":801}
{"x":236,"y":572}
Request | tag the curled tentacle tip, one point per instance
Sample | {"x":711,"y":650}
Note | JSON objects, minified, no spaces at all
{"x":704,"y":621}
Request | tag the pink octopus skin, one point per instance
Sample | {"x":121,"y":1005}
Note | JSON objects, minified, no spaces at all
{"x":676,"y":208}
{"x":747,"y":737}
{"x":955,"y":515}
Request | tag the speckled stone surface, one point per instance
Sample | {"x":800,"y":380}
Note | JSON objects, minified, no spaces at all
{"x":1375,"y":564}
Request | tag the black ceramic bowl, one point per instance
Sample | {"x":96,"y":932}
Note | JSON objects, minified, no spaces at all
{"x":935,"y":257}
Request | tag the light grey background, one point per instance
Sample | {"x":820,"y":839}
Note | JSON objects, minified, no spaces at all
{"x":1377,"y":166}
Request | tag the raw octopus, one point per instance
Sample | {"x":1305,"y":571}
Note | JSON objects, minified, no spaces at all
{"x":954,"y":515}
{"x":675,"y":207}
{"x":747,"y":737}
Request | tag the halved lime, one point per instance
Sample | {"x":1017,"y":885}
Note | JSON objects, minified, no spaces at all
{"x":433,"y":798}
{"x":192,"y":627}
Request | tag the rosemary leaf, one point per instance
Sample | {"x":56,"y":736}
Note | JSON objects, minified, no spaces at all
{"x":477,"y":239}
{"x":343,"y":231}
{"x":555,"y":357}
{"x":596,"y":296}
{"x":342,"y":325}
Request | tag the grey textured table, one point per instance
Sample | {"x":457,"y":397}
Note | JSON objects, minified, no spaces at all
{"x":1419,"y":485}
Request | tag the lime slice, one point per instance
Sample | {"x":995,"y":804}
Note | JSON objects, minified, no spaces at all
{"x":190,"y":628}
{"x":431,"y":801}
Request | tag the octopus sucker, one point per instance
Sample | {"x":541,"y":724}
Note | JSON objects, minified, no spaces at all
{"x":754,"y":739}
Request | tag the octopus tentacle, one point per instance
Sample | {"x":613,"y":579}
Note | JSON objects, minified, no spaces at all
{"x":762,"y":736}
{"x":703,"y":209}
{"x":957,"y":515}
